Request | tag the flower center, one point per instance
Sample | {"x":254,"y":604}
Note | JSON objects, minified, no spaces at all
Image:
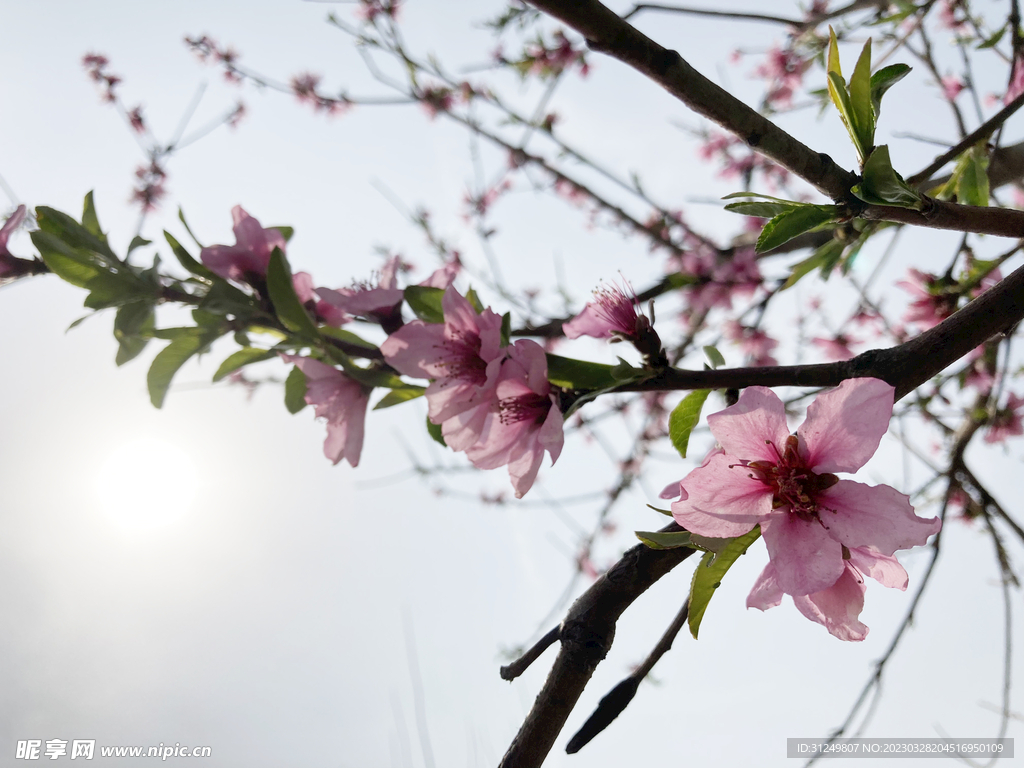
{"x":792,"y":482}
{"x":529,"y":407}
{"x":461,"y":357}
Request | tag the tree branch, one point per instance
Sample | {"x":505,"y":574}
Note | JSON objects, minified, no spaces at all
{"x":586,"y":636}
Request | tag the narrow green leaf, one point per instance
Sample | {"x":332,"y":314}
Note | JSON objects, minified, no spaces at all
{"x":240,"y":358}
{"x":399,"y":395}
{"x":714,"y":356}
{"x":289,"y":309}
{"x":170,"y":359}
{"x":185,"y":258}
{"x":295,"y":390}
{"x":89,"y":219}
{"x":434,"y":430}
{"x":224,"y":299}
{"x":883,"y":80}
{"x":664,"y":539}
{"x":133,"y":328}
{"x":112,"y":289}
{"x":181,"y":218}
{"x":347,"y":336}
{"x":841,"y":98}
{"x":710,"y":572}
{"x":786,"y":226}
{"x":760,"y":209}
{"x":665,"y":512}
{"x":684,"y":418}
{"x":972,"y":185}
{"x":425,"y":303}
{"x":993,"y":40}
{"x":861,"y":108}
{"x":472,"y":298}
{"x":286,"y":232}
{"x":759,"y":196}
{"x":825,"y":256}
{"x":137,"y":242}
{"x":579,"y":374}
{"x":883,"y":186}
{"x":506,"y":329}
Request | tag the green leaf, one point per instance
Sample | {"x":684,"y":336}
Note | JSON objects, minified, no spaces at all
{"x":181,"y":218}
{"x":883,"y":80}
{"x":133,"y":328}
{"x":295,"y":390}
{"x":993,"y":40}
{"x":400,"y":395}
{"x":883,"y":186}
{"x":112,"y":289}
{"x":714,"y":357}
{"x":185,"y":259}
{"x":710,"y":572}
{"x":579,"y":374}
{"x":664,"y":539}
{"x":425,"y":303}
{"x":224,"y":299}
{"x":972,"y":183}
{"x":171,"y":358}
{"x":289,"y":309}
{"x":89,"y":219}
{"x":240,"y":358}
{"x":286,"y":232}
{"x":786,"y":226}
{"x":861,"y":108}
{"x":74,"y":234}
{"x":137,"y":242}
{"x":825,"y":257}
{"x":434,"y":430}
{"x":789,"y":203}
{"x":841,"y":98}
{"x":472,"y":298}
{"x":684,"y":418}
{"x":63,"y":260}
{"x":665,"y":512}
{"x":764,"y":210}
{"x":506,"y":329}
{"x":347,"y":336}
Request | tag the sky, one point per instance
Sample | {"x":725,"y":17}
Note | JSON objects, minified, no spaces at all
{"x":298,"y":613}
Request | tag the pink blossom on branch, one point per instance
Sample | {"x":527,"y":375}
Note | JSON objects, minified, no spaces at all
{"x":518,"y":424}
{"x":809,"y":518}
{"x":341,"y":401}
{"x":250,"y":255}
{"x":10,"y":265}
{"x":462,"y":355}
{"x":838,"y":607}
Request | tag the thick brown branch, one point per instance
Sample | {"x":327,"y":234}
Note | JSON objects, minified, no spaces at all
{"x":586,"y":636}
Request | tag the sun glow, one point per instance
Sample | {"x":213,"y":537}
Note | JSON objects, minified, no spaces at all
{"x":147,"y":483}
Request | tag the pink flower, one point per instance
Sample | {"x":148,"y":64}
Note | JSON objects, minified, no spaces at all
{"x":1016,"y":87}
{"x":933,"y":302}
{"x":837,"y":348}
{"x":1006,"y":422}
{"x":462,"y":356}
{"x":10,"y":265}
{"x":320,"y":309}
{"x":379,"y":300}
{"x":339,"y":400}
{"x":517,"y":425}
{"x":250,"y":255}
{"x":838,"y":607}
{"x":613,"y":313}
{"x":785,"y":484}
{"x":9,"y":227}
{"x":951,"y":86}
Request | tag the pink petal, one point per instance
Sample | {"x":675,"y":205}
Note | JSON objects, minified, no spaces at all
{"x":589,"y":322}
{"x":302,"y":282}
{"x":443,"y":277}
{"x":838,"y":607}
{"x":531,"y":357}
{"x":766,"y":592}
{"x":10,"y":226}
{"x":887,"y":571}
{"x":722,"y":500}
{"x":845,"y":425}
{"x":805,"y":557}
{"x":414,"y":349}
{"x":552,"y":435}
{"x":746,"y":428}
{"x":674,"y":491}
{"x":859,"y":515}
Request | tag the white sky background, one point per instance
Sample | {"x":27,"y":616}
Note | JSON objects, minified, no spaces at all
{"x":270,"y":622}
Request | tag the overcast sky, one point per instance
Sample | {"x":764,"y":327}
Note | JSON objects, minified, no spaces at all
{"x":298,"y":613}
